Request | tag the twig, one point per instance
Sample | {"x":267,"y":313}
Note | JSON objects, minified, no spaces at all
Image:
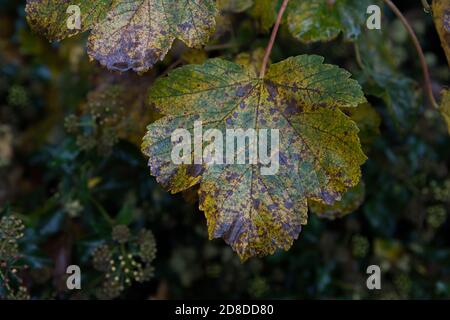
{"x":426,"y":71}
{"x":272,"y":39}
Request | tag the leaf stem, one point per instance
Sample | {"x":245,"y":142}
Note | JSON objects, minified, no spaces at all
{"x":426,"y":71}
{"x":272,"y":39}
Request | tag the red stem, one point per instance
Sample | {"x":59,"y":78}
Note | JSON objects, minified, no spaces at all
{"x":272,"y":39}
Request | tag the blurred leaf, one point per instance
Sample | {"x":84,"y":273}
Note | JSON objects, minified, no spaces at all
{"x":128,"y":35}
{"x":368,"y":121}
{"x":251,"y":60}
{"x":381,"y":78}
{"x":350,"y":202}
{"x":234,"y":5}
{"x":324,"y":20}
{"x":265,"y":11}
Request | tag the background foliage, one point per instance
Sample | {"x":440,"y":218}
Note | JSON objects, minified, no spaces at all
{"x":71,"y":169}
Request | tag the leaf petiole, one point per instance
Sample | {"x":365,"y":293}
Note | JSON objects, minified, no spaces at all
{"x":272,"y":39}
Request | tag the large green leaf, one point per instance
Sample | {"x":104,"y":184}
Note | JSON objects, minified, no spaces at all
{"x":128,"y":34}
{"x":319,"y":154}
{"x":324,"y":20}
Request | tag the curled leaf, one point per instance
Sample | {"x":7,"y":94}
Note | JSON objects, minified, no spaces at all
{"x":319,"y":153}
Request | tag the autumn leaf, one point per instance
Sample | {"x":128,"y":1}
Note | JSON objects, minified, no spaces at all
{"x":324,"y":20}
{"x":441,"y":16}
{"x":319,"y":155}
{"x":350,"y":202}
{"x":445,"y":107}
{"x":128,"y":34}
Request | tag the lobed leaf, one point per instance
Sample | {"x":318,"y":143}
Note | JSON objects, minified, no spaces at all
{"x":319,"y":155}
{"x":128,"y":34}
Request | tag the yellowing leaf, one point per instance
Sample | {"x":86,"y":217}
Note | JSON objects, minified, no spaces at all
{"x":441,"y":15}
{"x":128,"y":34}
{"x":319,"y":152}
{"x":445,"y":107}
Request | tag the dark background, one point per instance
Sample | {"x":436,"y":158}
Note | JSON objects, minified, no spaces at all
{"x":62,"y":181}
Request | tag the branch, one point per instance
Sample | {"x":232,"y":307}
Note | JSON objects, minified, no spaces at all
{"x":272,"y":39}
{"x":426,"y":71}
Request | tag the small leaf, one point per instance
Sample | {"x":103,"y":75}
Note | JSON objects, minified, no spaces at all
{"x":319,"y":155}
{"x":441,"y":16}
{"x":265,"y":11}
{"x":128,"y":35}
{"x":251,"y":60}
{"x":324,"y":20}
{"x":350,"y":202}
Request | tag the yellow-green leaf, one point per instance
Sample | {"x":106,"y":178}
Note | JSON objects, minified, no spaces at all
{"x":319,"y":152}
{"x":128,"y":34}
{"x":441,"y":15}
{"x":445,"y":107}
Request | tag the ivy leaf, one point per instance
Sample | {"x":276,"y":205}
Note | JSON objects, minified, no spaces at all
{"x":445,"y":107}
{"x":441,"y":16}
{"x":324,"y":20}
{"x":128,"y":34}
{"x":350,"y":202}
{"x":319,"y":155}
